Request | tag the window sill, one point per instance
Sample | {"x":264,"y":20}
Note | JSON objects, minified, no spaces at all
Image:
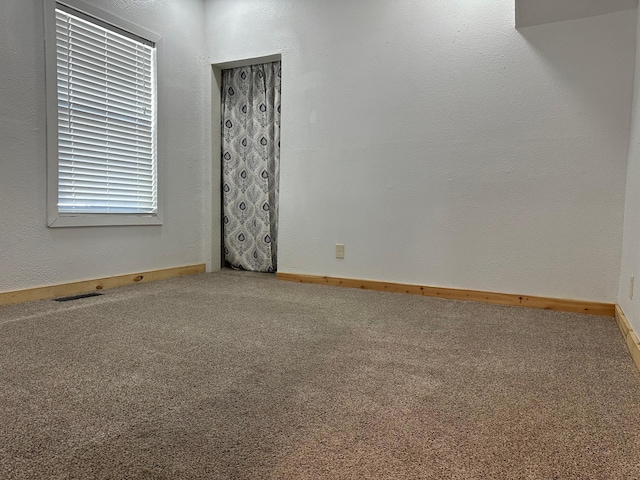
{"x":102,"y":220}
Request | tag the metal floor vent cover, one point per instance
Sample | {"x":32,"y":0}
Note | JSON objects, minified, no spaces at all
{"x":77,"y":297}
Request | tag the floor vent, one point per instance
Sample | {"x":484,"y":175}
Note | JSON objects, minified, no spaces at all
{"x":77,"y":297}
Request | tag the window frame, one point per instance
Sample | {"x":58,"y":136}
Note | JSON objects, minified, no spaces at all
{"x":54,"y":217}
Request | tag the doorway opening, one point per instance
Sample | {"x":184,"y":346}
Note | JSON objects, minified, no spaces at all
{"x":250,"y":163}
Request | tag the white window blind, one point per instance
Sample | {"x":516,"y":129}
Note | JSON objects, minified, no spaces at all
{"x":106,"y":118}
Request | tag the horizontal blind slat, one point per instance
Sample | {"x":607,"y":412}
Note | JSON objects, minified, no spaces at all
{"x":76,"y":48}
{"x":80,"y":99}
{"x":86,"y":181}
{"x":102,"y":88}
{"x":98,"y":40}
{"x":83,"y":133}
{"x":90,"y":142}
{"x":85,"y":146}
{"x":79,"y":59}
{"x":80,"y":114}
{"x":87,"y":171}
{"x":78,"y":193}
{"x":97,"y":70}
{"x":68,"y":82}
{"x":79,"y":26}
{"x":92,"y":118}
{"x":81,"y":129}
{"x":96,"y":163}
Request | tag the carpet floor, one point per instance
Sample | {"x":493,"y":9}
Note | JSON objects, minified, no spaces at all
{"x":236,"y":375}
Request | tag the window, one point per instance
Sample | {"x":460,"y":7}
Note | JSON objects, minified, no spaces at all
{"x":101,"y":121}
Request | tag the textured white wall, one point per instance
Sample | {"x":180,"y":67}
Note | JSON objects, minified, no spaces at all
{"x":441,"y":145}
{"x":631,"y":240}
{"x":535,"y":12}
{"x":32,"y":254}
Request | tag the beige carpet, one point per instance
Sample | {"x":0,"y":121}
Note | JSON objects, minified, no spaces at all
{"x":237,"y":375}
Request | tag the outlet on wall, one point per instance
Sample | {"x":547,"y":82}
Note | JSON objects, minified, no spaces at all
{"x":339,"y":250}
{"x":632,"y":280}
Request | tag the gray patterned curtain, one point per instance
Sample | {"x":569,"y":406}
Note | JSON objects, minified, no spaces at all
{"x":251,"y":165}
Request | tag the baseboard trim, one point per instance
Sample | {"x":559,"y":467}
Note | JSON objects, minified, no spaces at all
{"x":559,"y":304}
{"x":630,"y":337}
{"x":66,"y":289}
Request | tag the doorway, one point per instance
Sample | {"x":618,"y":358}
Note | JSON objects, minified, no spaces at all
{"x":250,"y":165}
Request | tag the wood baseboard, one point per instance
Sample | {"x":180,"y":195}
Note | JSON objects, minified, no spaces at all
{"x":577,"y":306}
{"x":630,"y":337}
{"x":66,"y":289}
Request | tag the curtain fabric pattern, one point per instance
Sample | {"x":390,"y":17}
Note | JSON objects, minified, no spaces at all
{"x":251,"y":165}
